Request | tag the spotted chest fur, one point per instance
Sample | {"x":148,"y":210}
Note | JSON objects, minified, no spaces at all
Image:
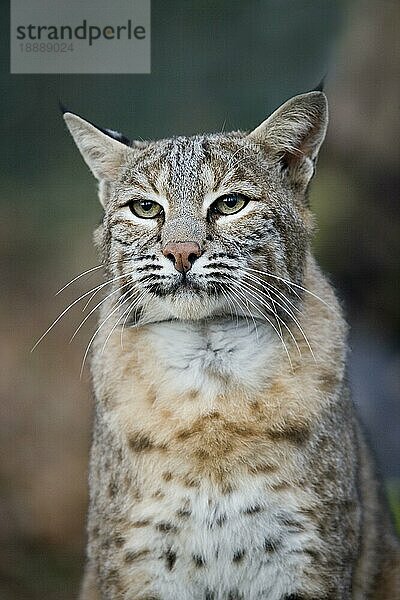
{"x":196,"y":544}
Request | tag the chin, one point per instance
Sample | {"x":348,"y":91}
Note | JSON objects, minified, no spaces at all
{"x":189,"y":305}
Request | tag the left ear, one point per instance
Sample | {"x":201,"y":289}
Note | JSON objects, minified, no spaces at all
{"x":294,"y":134}
{"x":101,"y":149}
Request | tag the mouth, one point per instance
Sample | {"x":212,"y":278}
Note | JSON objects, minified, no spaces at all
{"x":183,"y":284}
{"x":182,"y":296}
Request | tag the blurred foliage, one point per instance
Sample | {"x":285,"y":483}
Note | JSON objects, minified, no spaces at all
{"x":215,"y":64}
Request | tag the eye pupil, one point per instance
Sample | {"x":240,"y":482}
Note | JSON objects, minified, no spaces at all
{"x":231,"y":201}
{"x":145,"y":209}
{"x":229,"y":204}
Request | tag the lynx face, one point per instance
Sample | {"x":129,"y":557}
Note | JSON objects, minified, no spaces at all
{"x":196,"y":227}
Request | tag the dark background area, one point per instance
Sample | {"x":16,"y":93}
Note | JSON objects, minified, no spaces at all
{"x":215,"y":64}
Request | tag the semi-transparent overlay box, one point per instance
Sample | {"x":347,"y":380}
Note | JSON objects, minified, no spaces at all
{"x":93,"y":36}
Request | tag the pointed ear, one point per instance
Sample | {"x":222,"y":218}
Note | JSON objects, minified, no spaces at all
{"x":102,"y":152}
{"x":294,"y":134}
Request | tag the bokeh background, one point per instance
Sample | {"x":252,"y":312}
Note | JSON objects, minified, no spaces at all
{"x":215,"y":63}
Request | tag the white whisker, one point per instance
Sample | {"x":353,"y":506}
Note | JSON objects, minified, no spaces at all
{"x":229,"y":302}
{"x":278,"y":319}
{"x":269,"y":287}
{"x":238,"y":289}
{"x":128,"y":312}
{"x":254,"y":323}
{"x":296,"y":321}
{"x":96,"y":307}
{"x":89,"y":301}
{"x":78,"y":277}
{"x":288,"y":311}
{"x":96,"y":332}
{"x":98,"y":287}
{"x":244,"y":313}
{"x":120,"y":318}
{"x":290,"y":283}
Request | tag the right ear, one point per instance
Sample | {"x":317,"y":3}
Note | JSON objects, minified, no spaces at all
{"x":294,"y":134}
{"x":102,"y":153}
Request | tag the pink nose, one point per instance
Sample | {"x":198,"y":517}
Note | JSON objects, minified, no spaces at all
{"x":182,"y":254}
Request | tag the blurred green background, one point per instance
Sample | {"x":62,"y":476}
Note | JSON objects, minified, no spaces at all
{"x":214,"y":64}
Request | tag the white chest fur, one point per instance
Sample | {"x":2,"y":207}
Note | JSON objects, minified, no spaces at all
{"x":189,"y":355}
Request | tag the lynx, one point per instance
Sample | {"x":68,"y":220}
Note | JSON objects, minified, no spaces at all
{"x":227,"y":460}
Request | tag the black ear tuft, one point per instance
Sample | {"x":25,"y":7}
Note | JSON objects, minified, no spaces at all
{"x":115,"y":135}
{"x":62,"y":108}
{"x":320,"y":86}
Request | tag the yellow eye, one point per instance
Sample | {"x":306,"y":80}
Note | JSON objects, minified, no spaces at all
{"x":229,"y":204}
{"x":145,"y":209}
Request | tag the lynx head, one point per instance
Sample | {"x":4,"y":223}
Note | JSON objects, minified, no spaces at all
{"x":207,"y":225}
